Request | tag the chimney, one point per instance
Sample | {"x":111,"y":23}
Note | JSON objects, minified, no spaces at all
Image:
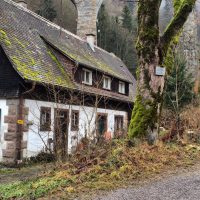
{"x":91,"y":41}
{"x":22,"y":3}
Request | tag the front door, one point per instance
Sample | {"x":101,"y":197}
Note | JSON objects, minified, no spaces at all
{"x":101,"y":125}
{"x":61,"y":134}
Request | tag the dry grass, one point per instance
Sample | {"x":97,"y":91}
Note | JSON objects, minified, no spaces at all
{"x":115,"y":165}
{"x":191,"y":117}
{"x":123,"y":165}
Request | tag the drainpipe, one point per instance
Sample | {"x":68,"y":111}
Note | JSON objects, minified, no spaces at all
{"x":20,"y":123}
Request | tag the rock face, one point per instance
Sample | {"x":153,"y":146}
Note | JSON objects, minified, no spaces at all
{"x":190,"y":38}
{"x":190,"y":45}
{"x":66,"y":12}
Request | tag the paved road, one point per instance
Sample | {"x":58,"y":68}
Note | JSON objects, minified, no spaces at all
{"x":177,"y":187}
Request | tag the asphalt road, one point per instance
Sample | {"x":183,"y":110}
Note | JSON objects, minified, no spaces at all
{"x":177,"y":187}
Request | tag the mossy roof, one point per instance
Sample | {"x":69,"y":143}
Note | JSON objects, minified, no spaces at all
{"x":31,"y":60}
{"x":23,"y":36}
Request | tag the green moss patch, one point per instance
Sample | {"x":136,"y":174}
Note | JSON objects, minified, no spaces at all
{"x":23,"y":58}
{"x":116,"y":167}
{"x":64,"y":79}
{"x":4,"y":38}
{"x":87,"y":59}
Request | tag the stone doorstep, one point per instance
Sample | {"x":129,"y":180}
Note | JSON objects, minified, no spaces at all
{"x":12,"y":119}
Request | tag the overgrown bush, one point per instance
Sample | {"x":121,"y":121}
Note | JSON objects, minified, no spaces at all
{"x":42,"y":157}
{"x":191,"y":117}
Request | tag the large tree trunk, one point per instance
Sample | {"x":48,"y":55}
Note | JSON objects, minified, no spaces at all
{"x":152,"y":51}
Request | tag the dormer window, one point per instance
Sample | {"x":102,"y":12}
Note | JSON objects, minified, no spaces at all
{"x":106,"y":83}
{"x":87,"y":77}
{"x":121,"y":87}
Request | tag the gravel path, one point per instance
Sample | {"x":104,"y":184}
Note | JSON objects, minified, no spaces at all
{"x":177,"y":187}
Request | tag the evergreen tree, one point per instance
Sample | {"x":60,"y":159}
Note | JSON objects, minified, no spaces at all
{"x":127,"y":20}
{"x":179,"y":86}
{"x":47,"y":10}
{"x":114,"y":38}
{"x":102,"y":27}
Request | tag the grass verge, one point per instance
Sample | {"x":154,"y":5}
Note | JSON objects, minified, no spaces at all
{"x":114,"y":165}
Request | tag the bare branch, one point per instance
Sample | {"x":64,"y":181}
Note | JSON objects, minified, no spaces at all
{"x":176,"y":24}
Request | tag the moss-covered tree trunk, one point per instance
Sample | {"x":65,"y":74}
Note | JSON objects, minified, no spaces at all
{"x":153,"y":51}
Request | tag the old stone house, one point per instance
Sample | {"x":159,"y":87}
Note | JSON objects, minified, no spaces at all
{"x":55,"y":87}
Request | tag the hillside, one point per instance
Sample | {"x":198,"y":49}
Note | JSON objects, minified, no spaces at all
{"x":66,"y":12}
{"x":66,"y":17}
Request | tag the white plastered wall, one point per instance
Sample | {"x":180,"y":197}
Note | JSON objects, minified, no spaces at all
{"x":3,"y":126}
{"x":86,"y":124}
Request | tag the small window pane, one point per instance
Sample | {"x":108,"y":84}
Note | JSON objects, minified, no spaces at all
{"x":122,"y":87}
{"x":75,"y":121}
{"x":107,"y":83}
{"x":45,"y":119}
{"x":87,"y":77}
{"x":119,"y":123}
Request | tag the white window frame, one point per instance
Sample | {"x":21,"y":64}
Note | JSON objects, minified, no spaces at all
{"x":121,"y":88}
{"x":84,"y":77}
{"x":109,"y":82}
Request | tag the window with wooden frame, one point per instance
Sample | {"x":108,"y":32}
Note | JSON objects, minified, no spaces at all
{"x":121,"y":87}
{"x":45,"y":119}
{"x":119,"y":123}
{"x":106,"y":83}
{"x":75,"y":120}
{"x":87,"y":77}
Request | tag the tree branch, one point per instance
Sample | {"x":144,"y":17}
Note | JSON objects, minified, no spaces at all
{"x":176,"y":24}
